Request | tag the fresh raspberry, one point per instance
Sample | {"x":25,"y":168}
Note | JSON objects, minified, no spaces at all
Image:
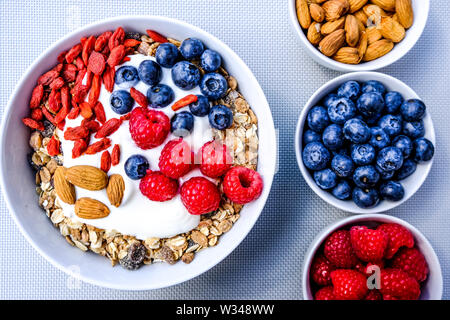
{"x":398,"y":236}
{"x":148,"y":128}
{"x":215,"y":160}
{"x":349,"y":284}
{"x":338,"y":249}
{"x":325,"y":293}
{"x":412,"y":262}
{"x":373,"y":295}
{"x":199,"y":195}
{"x":320,"y":270}
{"x":176,"y":159}
{"x":157,"y":187}
{"x":368,"y":244}
{"x":398,"y":284}
{"x":242,"y":185}
{"x":365,"y":269}
{"x":389,"y":297}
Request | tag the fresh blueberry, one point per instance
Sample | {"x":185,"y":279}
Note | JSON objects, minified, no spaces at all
{"x":182,"y":123}
{"x":390,"y":159}
{"x":318,"y":119}
{"x":365,"y":198}
{"x":325,"y":179}
{"x":392,"y":190}
{"x":408,"y":168}
{"x":341,"y":110}
{"x":220,"y":117}
{"x":126,"y":77}
{"x":373,"y":86}
{"x":150,"y":72}
{"x":391,"y":124}
{"x":160,"y":96}
{"x":167,"y":54}
{"x":363,"y":154}
{"x":366,"y":176}
{"x":412,"y":110}
{"x":423,"y":150}
{"x":192,"y":48}
{"x":385,"y":175}
{"x":333,"y":137}
{"x":404,"y":144}
{"x":316,"y":156}
{"x":210,"y":60}
{"x":349,"y":90}
{"x":311,"y":136}
{"x":393,"y":101}
{"x":356,"y":131}
{"x":370,"y":104}
{"x":342,"y":165}
{"x":373,"y":120}
{"x":201,"y":107}
{"x":213,"y":86}
{"x":342,"y":191}
{"x":136,"y":167}
{"x":329,"y":99}
{"x":185,"y":75}
{"x":379,"y":138}
{"x":121,"y":101}
{"x":414,"y":129}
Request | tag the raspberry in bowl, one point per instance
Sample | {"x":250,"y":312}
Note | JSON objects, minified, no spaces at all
{"x":371,"y":257}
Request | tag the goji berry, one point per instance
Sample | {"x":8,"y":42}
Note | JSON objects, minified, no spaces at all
{"x":116,"y":56}
{"x":65,"y":102}
{"x":83,"y":40}
{"x":78,"y":148}
{"x":139,"y":97}
{"x":36,"y":96}
{"x":76,"y":133}
{"x":108,"y":128}
{"x":33,"y":124}
{"x":73,"y":53}
{"x":57,"y":83}
{"x":88,"y":47}
{"x":115,"y":155}
{"x":48,"y":77}
{"x":61,"y":125}
{"x":85,"y":110}
{"x":125,"y":59}
{"x":37,"y":114}
{"x":105,"y":51}
{"x":95,"y":90}
{"x":48,"y":116}
{"x":92,"y":125}
{"x":102,"y":40}
{"x":53,"y":147}
{"x":156,"y":36}
{"x":105,"y":161}
{"x":131,"y":42}
{"x":58,"y":67}
{"x":183,"y":102}
{"x":74,"y":112}
{"x":96,"y":63}
{"x":79,"y":63}
{"x":54,"y":101}
{"x":99,"y":146}
{"x":126,"y":117}
{"x":108,"y":78}
{"x":69,"y":73}
{"x":100,"y":112}
{"x":61,"y":56}
{"x":116,"y":38}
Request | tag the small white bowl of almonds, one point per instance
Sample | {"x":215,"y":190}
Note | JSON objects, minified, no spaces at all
{"x":358,"y":35}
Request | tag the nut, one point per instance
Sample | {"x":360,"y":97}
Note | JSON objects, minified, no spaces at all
{"x":64,"y":189}
{"x":303,"y":15}
{"x":388,"y":5}
{"x":378,"y":49}
{"x":334,"y":9}
{"x":374,"y":14}
{"x":361,"y":16}
{"x":351,"y":30}
{"x":87,"y":177}
{"x":115,"y":189}
{"x":347,"y":55}
{"x":317,"y":12}
{"x":331,"y":26}
{"x":314,"y":36}
{"x":405,"y":13}
{"x":88,"y":208}
{"x":391,"y":29}
{"x":332,"y":42}
{"x":373,"y":34}
{"x":355,"y":5}
{"x":362,"y":45}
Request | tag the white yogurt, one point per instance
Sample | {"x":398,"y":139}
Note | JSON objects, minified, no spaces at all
{"x":137,"y":215}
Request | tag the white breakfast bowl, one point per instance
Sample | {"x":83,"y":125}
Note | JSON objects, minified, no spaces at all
{"x":410,"y":184}
{"x":18,"y":180}
{"x":431,"y":289}
{"x":421,"y":9}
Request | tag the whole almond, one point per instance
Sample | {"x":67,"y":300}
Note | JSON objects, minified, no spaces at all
{"x":351,"y":30}
{"x":391,"y":29}
{"x":378,"y":49}
{"x":405,"y":13}
{"x":355,"y":5}
{"x":334,"y":9}
{"x":115,"y":189}
{"x":303,"y":15}
{"x":88,"y":208}
{"x":331,"y":26}
{"x":64,"y":189}
{"x":361,"y":16}
{"x":373,"y":34}
{"x":362,"y":45}
{"x":317,"y":13}
{"x":374,"y":14}
{"x":347,"y":55}
{"x":388,"y":5}
{"x":87,"y":177}
{"x":314,"y":36}
{"x":332,"y":42}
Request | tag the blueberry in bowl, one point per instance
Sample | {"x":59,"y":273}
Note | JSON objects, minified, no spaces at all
{"x":342,"y":165}
{"x":356,"y":131}
{"x":391,"y":124}
{"x":160,"y":96}
{"x":318,"y":119}
{"x":201,"y":107}
{"x":126,"y":77}
{"x":393,"y":100}
{"x":366,"y":176}
{"x":390,"y":159}
{"x":370,"y":104}
{"x":185,"y":75}
{"x":121,"y":101}
{"x":373,"y":86}
{"x":326,"y":179}
{"x":136,"y":167}
{"x":167,"y":55}
{"x":150,"y":72}
{"x":350,"y":90}
{"x":316,"y":156}
{"x":192,"y":48}
{"x":210,"y":60}
{"x":182,"y":123}
{"x":332,"y":137}
{"x":213,"y":86}
{"x":363,"y":154}
{"x":414,"y":129}
{"x":220,"y":117}
{"x":341,"y":109}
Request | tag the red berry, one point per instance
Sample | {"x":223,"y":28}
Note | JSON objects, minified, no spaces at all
{"x":349,"y":284}
{"x":148,"y":128}
{"x":398,"y":236}
{"x":398,"y":284}
{"x":199,"y":196}
{"x":389,"y":297}
{"x":368,"y":244}
{"x":320,"y":270}
{"x":176,"y":159}
{"x":215,"y":160}
{"x":373,"y":295}
{"x":325,"y":293}
{"x":368,"y":269}
{"x":242,"y":185}
{"x":338,"y":249}
{"x":157,"y":187}
{"x":412,"y":262}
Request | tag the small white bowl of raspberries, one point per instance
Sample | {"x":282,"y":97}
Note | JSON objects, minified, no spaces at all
{"x":371,"y":257}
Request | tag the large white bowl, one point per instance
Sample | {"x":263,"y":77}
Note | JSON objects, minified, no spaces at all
{"x":19,"y":187}
{"x":410,"y":184}
{"x":421,"y":9}
{"x":432,"y":287}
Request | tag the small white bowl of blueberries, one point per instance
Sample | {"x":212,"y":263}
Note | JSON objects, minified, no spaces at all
{"x":365,"y":142}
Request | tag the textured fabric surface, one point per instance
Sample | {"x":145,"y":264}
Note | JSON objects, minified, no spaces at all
{"x":267,"y":265}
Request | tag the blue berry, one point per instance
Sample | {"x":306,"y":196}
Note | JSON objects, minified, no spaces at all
{"x":167,"y":54}
{"x":185,"y":75}
{"x":126,"y":77}
{"x":341,"y":110}
{"x":385,"y":175}
{"x":150,"y":72}
{"x":391,"y":124}
{"x":413,"y":110}
{"x":392,"y":190}
{"x":201,"y":107}
{"x":373,"y":86}
{"x":315,"y":156}
{"x":318,"y":119}
{"x":393,"y":101}
{"x":404,"y":144}
{"x":342,"y":165}
{"x":160,"y":96}
{"x":329,"y":99}
{"x":349,"y":90}
{"x":365,"y":198}
{"x":210,"y":60}
{"x":366,"y":176}
{"x":182,"y":123}
{"x":414,"y":129}
{"x":136,"y":167}
{"x":213,"y":86}
{"x":311,"y":136}
{"x":325,"y":179}
{"x":408,"y":168}
{"x":192,"y":48}
{"x":333,"y":137}
{"x":342,"y":191}
{"x":220,"y":117}
{"x":363,"y":154}
{"x":423,"y":150}
{"x":356,"y":131}
{"x":390,"y":159}
{"x":370,"y":104}
{"x":379,"y":138}
{"x":121,"y":101}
